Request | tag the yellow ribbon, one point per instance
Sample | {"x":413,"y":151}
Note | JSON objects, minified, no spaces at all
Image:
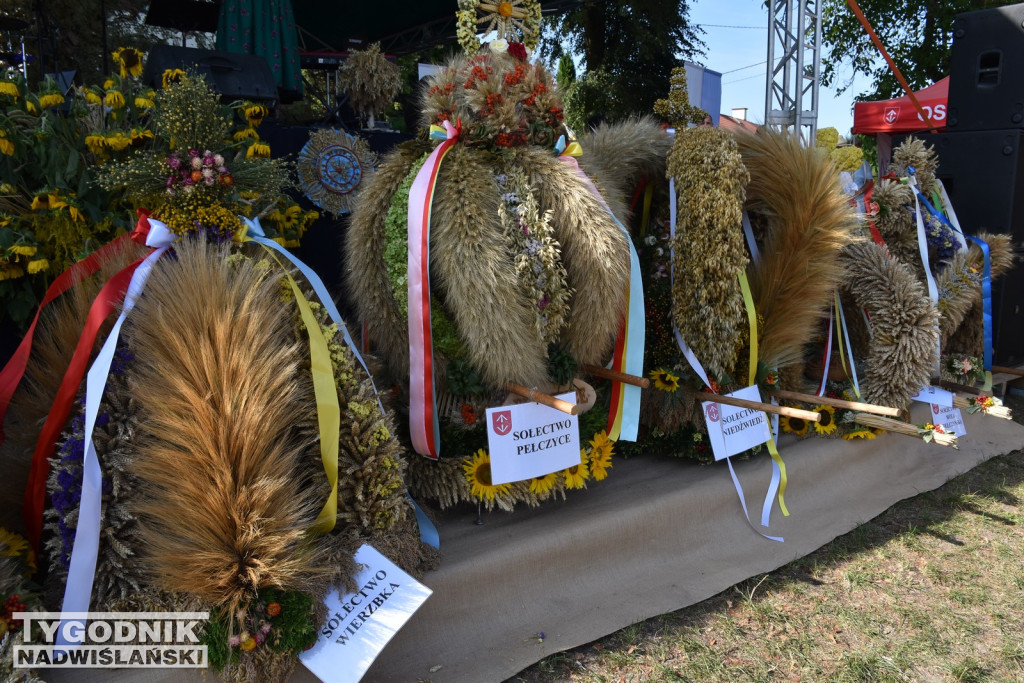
{"x":648,"y":197}
{"x":328,"y":411}
{"x":748,"y":302}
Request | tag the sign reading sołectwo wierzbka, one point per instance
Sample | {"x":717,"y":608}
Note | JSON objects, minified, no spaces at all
{"x":360,"y":624}
{"x":732,"y":429}
{"x":530,"y":440}
{"x":951,"y":419}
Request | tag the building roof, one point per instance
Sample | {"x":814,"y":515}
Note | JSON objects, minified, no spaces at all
{"x":735,"y":125}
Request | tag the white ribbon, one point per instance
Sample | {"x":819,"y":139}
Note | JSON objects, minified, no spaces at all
{"x":82,"y":568}
{"x":922,"y":243}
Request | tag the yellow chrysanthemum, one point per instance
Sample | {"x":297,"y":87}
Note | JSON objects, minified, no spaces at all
{"x":577,"y":475}
{"x":664,"y":380}
{"x":245,"y":134}
{"x":6,"y":147}
{"x":171,"y":76}
{"x":10,"y":89}
{"x":861,"y":433}
{"x":794,"y":425}
{"x":22,"y":250}
{"x":600,"y":455}
{"x":827,"y":424}
{"x":254,"y":114}
{"x":259,"y":150}
{"x":541,"y":485}
{"x":53,"y":99}
{"x":478,"y":474}
{"x":129,"y":60}
{"x":38,"y":266}
{"x":114,"y":99}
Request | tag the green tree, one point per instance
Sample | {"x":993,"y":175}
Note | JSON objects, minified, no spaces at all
{"x":918,"y":34}
{"x":634,"y":43}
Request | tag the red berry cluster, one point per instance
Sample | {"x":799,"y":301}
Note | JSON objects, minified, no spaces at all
{"x":11,"y":605}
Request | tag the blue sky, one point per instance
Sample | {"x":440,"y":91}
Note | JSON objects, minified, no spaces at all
{"x":736,"y":35}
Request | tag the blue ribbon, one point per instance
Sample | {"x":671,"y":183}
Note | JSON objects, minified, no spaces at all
{"x":986,"y":299}
{"x":428,"y":532}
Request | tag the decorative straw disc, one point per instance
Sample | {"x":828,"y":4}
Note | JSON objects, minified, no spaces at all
{"x":332,"y":167}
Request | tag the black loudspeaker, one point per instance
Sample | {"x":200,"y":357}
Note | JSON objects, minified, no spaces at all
{"x":983,"y":172}
{"x":986,"y":84}
{"x":235,"y":76}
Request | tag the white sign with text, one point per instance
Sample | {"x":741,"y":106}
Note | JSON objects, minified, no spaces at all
{"x":951,"y":419}
{"x":935,"y":395}
{"x":732,"y":429}
{"x":360,"y":624}
{"x":530,"y":440}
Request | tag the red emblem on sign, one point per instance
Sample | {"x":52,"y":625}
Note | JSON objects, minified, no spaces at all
{"x":714,"y":414}
{"x":935,"y":408}
{"x":501,"y":422}
{"x":891,"y":114}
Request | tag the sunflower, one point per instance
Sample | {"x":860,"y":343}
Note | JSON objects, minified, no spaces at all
{"x":14,"y":545}
{"x":114,"y":99}
{"x":254,"y":113}
{"x":171,"y":76}
{"x":93,"y":97}
{"x":41,"y":202}
{"x":860,"y":433}
{"x":541,"y":485}
{"x":10,"y":89}
{"x":260,"y":150}
{"x":600,"y":455}
{"x":96,"y":143}
{"x":145,"y":100}
{"x":53,"y":99}
{"x":577,"y":475}
{"x":665,"y":380}
{"x":129,"y":60}
{"x":6,"y":146}
{"x":827,"y":423}
{"x":38,"y":266}
{"x":794,"y":425}
{"x":245,"y":134}
{"x":478,"y":474}
{"x":31,"y":107}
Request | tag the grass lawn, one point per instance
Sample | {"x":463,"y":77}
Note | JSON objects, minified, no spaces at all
{"x":930,"y":590}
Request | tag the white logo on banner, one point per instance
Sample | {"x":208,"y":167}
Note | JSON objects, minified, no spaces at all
{"x":530,"y":440}
{"x":360,"y":624}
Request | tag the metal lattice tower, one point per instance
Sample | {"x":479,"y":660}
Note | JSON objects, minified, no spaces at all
{"x":794,"y":66}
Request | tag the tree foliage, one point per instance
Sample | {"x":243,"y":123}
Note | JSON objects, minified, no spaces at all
{"x":918,"y":34}
{"x":635,"y":44}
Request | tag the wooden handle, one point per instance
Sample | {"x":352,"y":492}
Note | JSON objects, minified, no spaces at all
{"x":616,"y":376}
{"x":545,"y":399}
{"x":1019,"y":372}
{"x":953,"y":386}
{"x":837,"y":403}
{"x":809,"y":415}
